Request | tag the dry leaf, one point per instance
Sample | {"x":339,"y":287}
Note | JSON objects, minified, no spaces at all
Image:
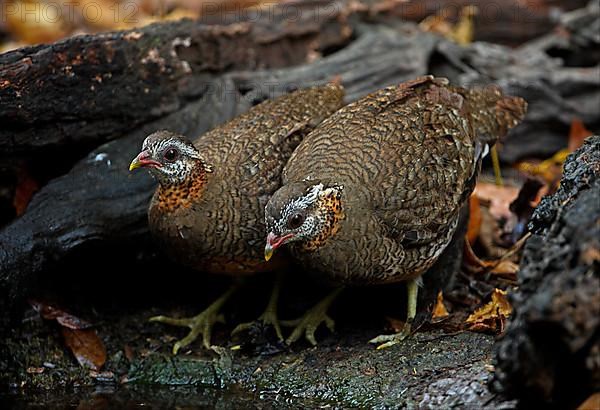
{"x":394,"y":324}
{"x":551,"y":169}
{"x":26,"y":187}
{"x":474,"y":219}
{"x":86,"y":346}
{"x":577,"y":134}
{"x":35,"y":370}
{"x":65,"y":319}
{"x":439,"y":311}
{"x":502,"y":266}
{"x":464,"y":31}
{"x":491,"y":316}
{"x":499,"y":198}
{"x":592,"y":403}
{"x":34,"y":22}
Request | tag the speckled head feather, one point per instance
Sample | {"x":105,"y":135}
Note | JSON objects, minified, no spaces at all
{"x":176,"y":157}
{"x":177,"y":165}
{"x":305,"y":213}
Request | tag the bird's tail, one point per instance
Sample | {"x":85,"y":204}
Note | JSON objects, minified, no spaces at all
{"x":493,"y":113}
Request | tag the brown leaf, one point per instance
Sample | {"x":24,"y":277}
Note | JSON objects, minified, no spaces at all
{"x":86,"y":346}
{"x":474,"y":219}
{"x":550,"y":170}
{"x":498,"y":198}
{"x":26,"y":187}
{"x":35,"y":370}
{"x":592,"y":403}
{"x":439,"y":311}
{"x":464,"y":31}
{"x":577,"y":134}
{"x":492,"y":316}
{"x":394,"y":324}
{"x":65,"y":319}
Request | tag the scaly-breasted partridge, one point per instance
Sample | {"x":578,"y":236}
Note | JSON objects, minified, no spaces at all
{"x":208,"y":210}
{"x":373,"y":194}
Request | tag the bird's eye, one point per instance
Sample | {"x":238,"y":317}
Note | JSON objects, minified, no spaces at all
{"x":171,"y":154}
{"x":295,"y":221}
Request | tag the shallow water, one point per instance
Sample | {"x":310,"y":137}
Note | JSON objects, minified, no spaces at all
{"x":148,"y":397}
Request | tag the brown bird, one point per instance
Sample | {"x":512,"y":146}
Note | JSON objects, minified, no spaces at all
{"x":372,"y":196}
{"x":208,"y":210}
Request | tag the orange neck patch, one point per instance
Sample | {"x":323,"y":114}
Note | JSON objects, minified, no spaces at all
{"x":175,"y":196}
{"x":332,"y":213}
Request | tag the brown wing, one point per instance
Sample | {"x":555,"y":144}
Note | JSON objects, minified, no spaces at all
{"x":407,"y":156}
{"x":251,"y":150}
{"x":224,"y":230}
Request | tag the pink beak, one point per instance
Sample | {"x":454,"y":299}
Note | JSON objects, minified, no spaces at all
{"x":274,"y":242}
{"x":144,"y":160}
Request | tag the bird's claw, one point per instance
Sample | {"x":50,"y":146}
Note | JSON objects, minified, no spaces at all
{"x":308,"y":325}
{"x":199,"y":324}
{"x":268,"y":318}
{"x":386,"y":341}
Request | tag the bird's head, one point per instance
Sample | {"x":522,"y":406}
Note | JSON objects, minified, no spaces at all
{"x":171,"y":158}
{"x":306,"y":214}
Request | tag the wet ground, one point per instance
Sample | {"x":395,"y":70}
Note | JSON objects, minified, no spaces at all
{"x":432,"y":369}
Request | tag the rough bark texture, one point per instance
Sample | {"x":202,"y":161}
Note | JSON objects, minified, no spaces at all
{"x":90,"y":89}
{"x":550,"y":353}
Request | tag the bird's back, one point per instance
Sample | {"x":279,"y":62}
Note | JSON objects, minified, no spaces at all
{"x":407,"y":157}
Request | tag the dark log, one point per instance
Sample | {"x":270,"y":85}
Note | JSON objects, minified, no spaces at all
{"x":550,"y":351}
{"x":557,"y":93}
{"x":91,"y":89}
{"x":509,"y":22}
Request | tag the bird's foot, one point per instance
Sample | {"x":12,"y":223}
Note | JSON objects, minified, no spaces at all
{"x":386,"y":341}
{"x":268,"y":318}
{"x":200,"y":324}
{"x":310,"y":321}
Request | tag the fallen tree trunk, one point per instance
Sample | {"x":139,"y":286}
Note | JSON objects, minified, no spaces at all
{"x":556,"y":326}
{"x":91,"y":89}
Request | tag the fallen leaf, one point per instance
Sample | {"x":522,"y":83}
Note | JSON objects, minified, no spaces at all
{"x":474,"y":219}
{"x":577,"y":134}
{"x":439,"y":311}
{"x":86,"y":346}
{"x":26,"y":187}
{"x":32,"y":22}
{"x":65,"y":319}
{"x":502,"y":266}
{"x":592,"y":403}
{"x":106,"y":376}
{"x":498,"y":198}
{"x":35,"y":370}
{"x":492,"y":316}
{"x":394,"y":324}
{"x":550,"y":170}
{"x":129,"y":354}
{"x":464,"y":31}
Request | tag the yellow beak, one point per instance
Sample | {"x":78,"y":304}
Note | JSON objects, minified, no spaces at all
{"x":268,"y":251}
{"x":135,"y":164}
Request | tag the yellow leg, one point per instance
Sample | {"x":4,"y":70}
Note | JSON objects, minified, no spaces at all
{"x":310,"y":321}
{"x":269,"y":316}
{"x":201,"y":323}
{"x":389,"y":340}
{"x":496,"y":165}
